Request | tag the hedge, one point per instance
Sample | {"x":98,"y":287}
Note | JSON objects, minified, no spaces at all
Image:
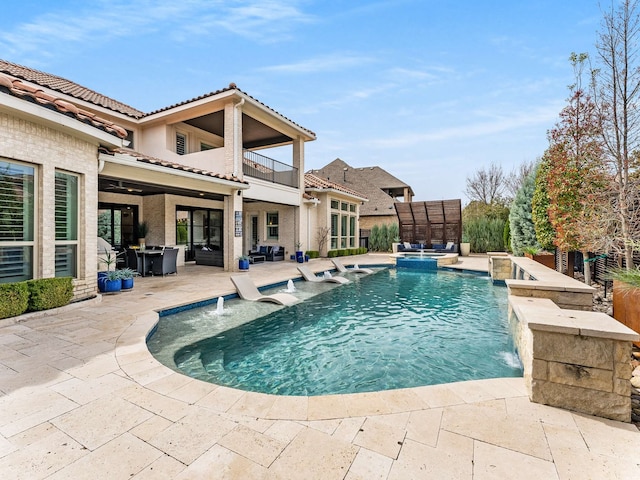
{"x":343,"y":252}
{"x":47,"y":293}
{"x":34,"y":295}
{"x":14,"y":299}
{"x":312,"y":253}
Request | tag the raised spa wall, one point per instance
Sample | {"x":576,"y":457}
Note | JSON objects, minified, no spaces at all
{"x":573,"y":358}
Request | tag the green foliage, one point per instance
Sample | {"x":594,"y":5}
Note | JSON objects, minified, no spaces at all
{"x":477,"y":209}
{"x":382,"y":237}
{"x":630,"y":277}
{"x":143,"y":229}
{"x":385,"y":241}
{"x":522,"y":231}
{"x":14,"y":299}
{"x":46,"y":293}
{"x":506,"y":236}
{"x":394,"y":234}
{"x":126,"y":273}
{"x":362,"y":250}
{"x":332,"y":253}
{"x":545,"y":233}
{"x":374,"y":238}
{"x":484,"y":234}
{"x":483,"y":226}
{"x":182,"y":232}
{"x":312,"y":253}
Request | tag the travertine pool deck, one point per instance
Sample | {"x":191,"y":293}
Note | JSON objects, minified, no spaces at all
{"x":81,"y":397}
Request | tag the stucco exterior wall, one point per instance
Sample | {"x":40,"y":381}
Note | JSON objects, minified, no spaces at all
{"x":49,"y":150}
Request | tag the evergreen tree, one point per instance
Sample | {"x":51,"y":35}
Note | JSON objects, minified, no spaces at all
{"x":523,"y":233}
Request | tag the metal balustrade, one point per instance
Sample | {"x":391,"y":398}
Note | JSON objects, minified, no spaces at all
{"x":265,"y":168}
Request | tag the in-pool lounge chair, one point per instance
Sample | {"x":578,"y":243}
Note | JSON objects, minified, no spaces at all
{"x":309,"y":276}
{"x":342,"y":269}
{"x":248,"y":291}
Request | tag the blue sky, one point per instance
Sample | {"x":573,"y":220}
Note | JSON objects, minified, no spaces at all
{"x":429,"y":90}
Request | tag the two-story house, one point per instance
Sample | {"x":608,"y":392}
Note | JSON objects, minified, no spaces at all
{"x":75,"y":165}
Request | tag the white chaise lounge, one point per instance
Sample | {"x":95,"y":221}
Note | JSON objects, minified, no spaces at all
{"x":341,"y":268}
{"x":309,"y":276}
{"x":248,"y":291}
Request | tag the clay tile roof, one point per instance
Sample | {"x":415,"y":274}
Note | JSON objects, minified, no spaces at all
{"x":67,"y":87}
{"x":232,"y":86}
{"x":176,"y":166}
{"x":315,"y":182}
{"x":18,"y":88}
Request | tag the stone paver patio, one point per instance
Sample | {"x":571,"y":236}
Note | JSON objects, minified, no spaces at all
{"x":81,"y":397}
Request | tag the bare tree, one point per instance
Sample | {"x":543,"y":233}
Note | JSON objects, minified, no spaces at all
{"x":515,"y":179}
{"x":322,"y":235}
{"x":617,"y":91}
{"x":487,"y":185}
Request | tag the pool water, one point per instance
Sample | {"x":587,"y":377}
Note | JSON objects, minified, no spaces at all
{"x":393,"y":329}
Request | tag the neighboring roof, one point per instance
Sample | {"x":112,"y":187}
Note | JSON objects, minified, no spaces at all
{"x":75,"y":90}
{"x":371,"y":181}
{"x":67,"y":87}
{"x":176,"y":166}
{"x":313,"y":182}
{"x":22,"y":90}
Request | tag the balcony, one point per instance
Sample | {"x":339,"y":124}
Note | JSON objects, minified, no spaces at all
{"x":265,"y":168}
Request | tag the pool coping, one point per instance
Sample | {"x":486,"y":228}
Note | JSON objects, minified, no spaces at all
{"x":133,"y":344}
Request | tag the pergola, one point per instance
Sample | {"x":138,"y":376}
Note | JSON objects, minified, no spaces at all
{"x":437,"y":221}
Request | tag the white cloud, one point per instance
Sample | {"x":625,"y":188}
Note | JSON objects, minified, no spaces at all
{"x":102,"y":21}
{"x":497,"y":123}
{"x":323,"y":63}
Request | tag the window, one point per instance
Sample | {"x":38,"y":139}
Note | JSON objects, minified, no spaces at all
{"x":17,"y":212}
{"x":129,"y":138}
{"x":272,"y":226}
{"x":66,"y":221}
{"x":205,"y":146}
{"x":181,"y":144}
{"x":343,"y":224}
{"x":334,"y":230}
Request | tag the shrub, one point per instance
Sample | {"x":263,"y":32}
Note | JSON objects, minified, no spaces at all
{"x":14,"y":299}
{"x":332,"y":253}
{"x":485,"y":234}
{"x":374,"y":238}
{"x":506,"y":236}
{"x":46,"y":293}
{"x":312,"y":253}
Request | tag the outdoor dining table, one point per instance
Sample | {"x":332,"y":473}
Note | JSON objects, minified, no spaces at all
{"x":145,"y":257}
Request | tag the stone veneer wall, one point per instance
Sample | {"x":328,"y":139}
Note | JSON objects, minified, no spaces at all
{"x":573,"y":358}
{"x":48,"y":149}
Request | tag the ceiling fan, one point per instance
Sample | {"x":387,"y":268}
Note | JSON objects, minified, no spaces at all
{"x":119,"y":186}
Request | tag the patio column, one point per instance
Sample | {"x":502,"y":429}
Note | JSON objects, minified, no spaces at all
{"x":233,"y":138}
{"x":233,"y":243}
{"x":300,"y":235}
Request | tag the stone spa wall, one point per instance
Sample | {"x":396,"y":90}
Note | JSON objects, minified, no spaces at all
{"x":573,"y":358}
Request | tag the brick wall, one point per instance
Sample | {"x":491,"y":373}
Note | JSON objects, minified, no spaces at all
{"x":48,"y":149}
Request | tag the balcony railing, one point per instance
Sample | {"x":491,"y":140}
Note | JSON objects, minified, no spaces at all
{"x":265,"y":168}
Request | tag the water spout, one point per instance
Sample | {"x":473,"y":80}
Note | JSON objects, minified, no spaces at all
{"x":290,"y":287}
{"x":220,"y":306}
{"x":327,"y":274}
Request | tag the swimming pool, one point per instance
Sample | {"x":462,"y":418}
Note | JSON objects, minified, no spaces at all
{"x":392,"y":329}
